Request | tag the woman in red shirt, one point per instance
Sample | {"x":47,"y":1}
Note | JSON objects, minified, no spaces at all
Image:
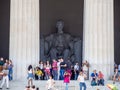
{"x":100,"y":78}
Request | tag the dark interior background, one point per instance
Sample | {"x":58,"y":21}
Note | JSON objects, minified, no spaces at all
{"x":4,"y":28}
{"x":71,"y":11}
{"x":117,"y":30}
{"x":52,"y":10}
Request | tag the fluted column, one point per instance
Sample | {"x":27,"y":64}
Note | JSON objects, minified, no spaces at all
{"x":98,"y":42}
{"x":24,"y":35}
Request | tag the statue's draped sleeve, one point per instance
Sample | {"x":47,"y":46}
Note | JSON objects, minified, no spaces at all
{"x":48,"y":43}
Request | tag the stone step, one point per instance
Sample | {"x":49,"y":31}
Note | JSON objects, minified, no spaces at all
{"x":73,"y":85}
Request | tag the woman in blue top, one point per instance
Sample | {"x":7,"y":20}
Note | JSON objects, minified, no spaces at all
{"x":30,"y":75}
{"x":94,"y":77}
{"x":10,"y":68}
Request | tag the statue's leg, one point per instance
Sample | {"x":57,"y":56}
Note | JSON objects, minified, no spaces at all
{"x":53,"y":53}
{"x":78,"y":51}
{"x":42,"y":51}
{"x":66,"y":54}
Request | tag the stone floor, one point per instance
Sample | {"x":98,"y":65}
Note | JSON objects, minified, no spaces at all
{"x":74,"y":85}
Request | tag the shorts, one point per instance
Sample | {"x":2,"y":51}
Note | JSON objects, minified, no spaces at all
{"x":30,"y":76}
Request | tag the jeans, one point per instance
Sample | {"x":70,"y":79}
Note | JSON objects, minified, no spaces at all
{"x":66,"y":88}
{"x":47,"y":76}
{"x":58,"y":75}
{"x":101,"y":81}
{"x":10,"y":74}
{"x":76,"y":75}
{"x":82,"y":84}
{"x":5,"y":80}
{"x":62,"y":74}
{"x":55,"y":74}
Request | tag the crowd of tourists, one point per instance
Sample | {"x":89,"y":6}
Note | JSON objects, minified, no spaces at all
{"x":58,"y":68}
{"x":64,"y":70}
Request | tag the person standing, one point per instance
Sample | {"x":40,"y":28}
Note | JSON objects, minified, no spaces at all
{"x":76,"y":71}
{"x":58,"y":66}
{"x":81,"y":79}
{"x":5,"y":77}
{"x":63,"y":66}
{"x":47,"y":70}
{"x":30,"y":75}
{"x":54,"y":69}
{"x":85,"y":67}
{"x":41,"y":65}
{"x":10,"y":68}
{"x":67,"y":76}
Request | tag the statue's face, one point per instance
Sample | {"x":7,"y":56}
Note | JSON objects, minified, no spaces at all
{"x":60,"y":26}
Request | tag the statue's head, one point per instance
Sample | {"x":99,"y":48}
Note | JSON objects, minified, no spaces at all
{"x":59,"y":26}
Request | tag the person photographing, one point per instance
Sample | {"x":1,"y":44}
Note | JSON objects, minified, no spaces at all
{"x":81,"y":79}
{"x":4,"y":73}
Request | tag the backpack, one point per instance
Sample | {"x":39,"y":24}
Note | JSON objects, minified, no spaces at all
{"x":93,"y":83}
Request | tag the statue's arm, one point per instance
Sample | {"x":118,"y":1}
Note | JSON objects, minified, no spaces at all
{"x":71,"y":42}
{"x":46,"y":47}
{"x":48,"y":43}
{"x":71,"y":45}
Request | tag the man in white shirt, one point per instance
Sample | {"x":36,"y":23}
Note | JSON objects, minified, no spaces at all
{"x":76,"y":71}
{"x":58,"y":66}
{"x":81,"y":79}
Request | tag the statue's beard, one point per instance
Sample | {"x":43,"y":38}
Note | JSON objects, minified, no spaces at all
{"x":60,"y":31}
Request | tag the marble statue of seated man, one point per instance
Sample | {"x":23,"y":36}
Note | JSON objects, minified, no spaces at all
{"x":61,"y":44}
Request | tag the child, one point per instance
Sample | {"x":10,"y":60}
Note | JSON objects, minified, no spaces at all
{"x":50,"y":83}
{"x":66,"y":79}
{"x":38,"y":73}
{"x":47,"y":72}
{"x":30,"y":75}
{"x":5,"y":77}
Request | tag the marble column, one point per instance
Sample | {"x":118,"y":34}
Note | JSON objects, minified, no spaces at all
{"x":98,"y":40}
{"x":24,"y":35}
